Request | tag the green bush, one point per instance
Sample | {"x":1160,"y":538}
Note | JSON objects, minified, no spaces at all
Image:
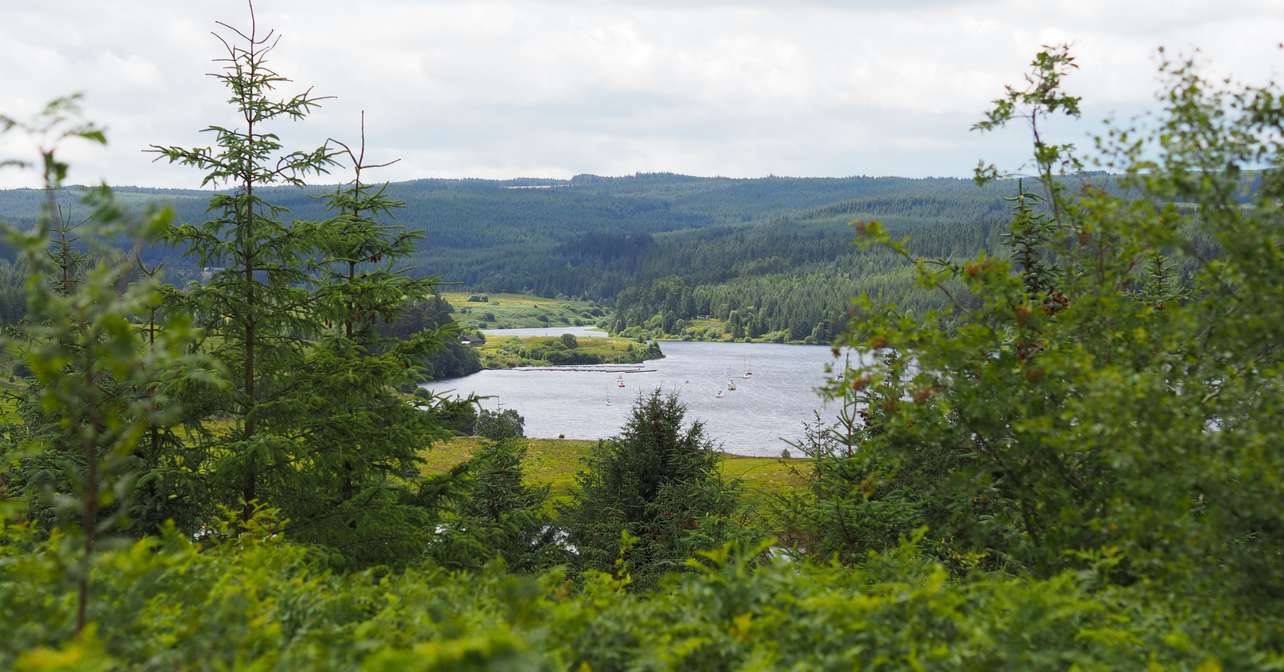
{"x":1083,"y":398}
{"x":254,"y":600}
{"x":650,"y":497}
{"x":499,"y":425}
{"x":488,"y":513}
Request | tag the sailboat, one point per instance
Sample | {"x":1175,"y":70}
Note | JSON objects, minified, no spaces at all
{"x":619,"y":380}
{"x":731,"y":384}
{"x":748,"y":372}
{"x":719,"y":394}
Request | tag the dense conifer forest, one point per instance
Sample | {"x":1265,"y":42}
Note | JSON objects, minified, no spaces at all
{"x":770,"y":254}
{"x":1061,"y":439}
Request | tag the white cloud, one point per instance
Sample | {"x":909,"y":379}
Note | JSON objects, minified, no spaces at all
{"x":501,"y":89}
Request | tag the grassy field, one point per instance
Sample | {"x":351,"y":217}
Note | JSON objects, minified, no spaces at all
{"x":711,"y":330}
{"x":556,"y":461}
{"x":510,"y":311}
{"x":505,"y":352}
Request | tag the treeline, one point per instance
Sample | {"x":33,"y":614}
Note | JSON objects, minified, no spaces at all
{"x":795,"y":279}
{"x":743,"y":245}
{"x":597,"y":237}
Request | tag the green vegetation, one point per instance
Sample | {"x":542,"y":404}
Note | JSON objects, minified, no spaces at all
{"x":499,"y":425}
{"x":453,"y":357}
{"x":773,"y":255}
{"x":1068,"y":458}
{"x":651,"y":497}
{"x":318,"y":428}
{"x":514,"y":311}
{"x":489,"y":511}
{"x":1091,"y":410}
{"x":506,"y":352}
{"x":168,"y":601}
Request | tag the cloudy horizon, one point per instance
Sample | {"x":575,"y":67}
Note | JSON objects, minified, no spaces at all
{"x":553,"y":89}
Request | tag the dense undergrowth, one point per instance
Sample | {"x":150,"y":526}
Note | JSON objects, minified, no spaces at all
{"x":245,"y":597}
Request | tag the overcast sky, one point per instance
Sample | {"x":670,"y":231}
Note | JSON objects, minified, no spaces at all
{"x":551,"y":89}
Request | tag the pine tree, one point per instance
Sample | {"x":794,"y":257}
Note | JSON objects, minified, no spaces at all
{"x":361,"y":440}
{"x":1028,"y":235}
{"x":651,"y":496}
{"x":1160,"y":287}
{"x":362,"y":285}
{"x":255,"y":309}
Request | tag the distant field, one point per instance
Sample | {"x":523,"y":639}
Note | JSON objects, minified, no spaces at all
{"x":506,"y":352}
{"x":708,"y":329}
{"x":555,"y":462}
{"x":513,"y":311}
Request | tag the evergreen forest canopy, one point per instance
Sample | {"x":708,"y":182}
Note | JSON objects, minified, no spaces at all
{"x":762,"y":255}
{"x":1071,"y":459}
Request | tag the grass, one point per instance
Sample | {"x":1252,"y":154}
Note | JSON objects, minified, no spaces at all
{"x":556,"y":461}
{"x":505,"y":352}
{"x":509,"y":311}
{"x":710,"y":330}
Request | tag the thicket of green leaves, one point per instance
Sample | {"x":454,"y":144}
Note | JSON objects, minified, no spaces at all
{"x":247,"y":598}
{"x":1075,"y":466}
{"x":1093,"y":407}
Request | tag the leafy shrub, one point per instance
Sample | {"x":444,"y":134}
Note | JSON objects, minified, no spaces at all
{"x":253,"y":599}
{"x":1085,"y":398}
{"x":499,"y":425}
{"x":490,"y":513}
{"x":651,"y":496}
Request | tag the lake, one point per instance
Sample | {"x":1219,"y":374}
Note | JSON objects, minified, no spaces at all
{"x":754,"y":419}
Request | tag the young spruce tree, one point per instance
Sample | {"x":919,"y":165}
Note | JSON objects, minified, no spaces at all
{"x":256,"y":307}
{"x":650,"y":497}
{"x":360,"y":438}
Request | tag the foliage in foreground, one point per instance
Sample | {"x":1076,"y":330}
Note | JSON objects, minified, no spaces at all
{"x":251,"y":599}
{"x":1095,"y":402}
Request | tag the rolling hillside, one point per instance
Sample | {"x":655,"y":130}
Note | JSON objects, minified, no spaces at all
{"x":665,"y":249}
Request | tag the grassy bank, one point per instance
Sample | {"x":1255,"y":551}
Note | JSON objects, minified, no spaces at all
{"x":506,"y":352}
{"x":711,"y":330}
{"x":556,"y":461}
{"x":511,"y":311}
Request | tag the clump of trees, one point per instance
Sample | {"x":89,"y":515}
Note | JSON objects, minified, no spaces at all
{"x":1092,"y":408}
{"x":489,"y":513}
{"x":452,"y":358}
{"x":271,"y":385}
{"x":498,"y":425}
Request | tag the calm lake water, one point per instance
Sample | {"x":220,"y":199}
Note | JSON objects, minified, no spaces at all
{"x":754,"y":419}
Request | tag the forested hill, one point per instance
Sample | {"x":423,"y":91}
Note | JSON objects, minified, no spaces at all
{"x":768,"y":254}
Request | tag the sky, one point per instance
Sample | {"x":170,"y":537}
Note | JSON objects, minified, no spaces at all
{"x":613,"y":87}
